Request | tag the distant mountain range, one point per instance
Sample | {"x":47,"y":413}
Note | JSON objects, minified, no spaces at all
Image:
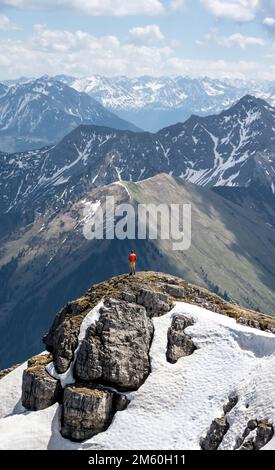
{"x":235,"y":148}
{"x":40,"y":112}
{"x":152,"y":103}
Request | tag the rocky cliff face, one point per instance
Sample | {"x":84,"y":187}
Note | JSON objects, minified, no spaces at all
{"x":99,"y":351}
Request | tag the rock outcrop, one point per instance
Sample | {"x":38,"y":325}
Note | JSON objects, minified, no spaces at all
{"x":155,"y":303}
{"x":114,"y":355}
{"x":232,"y":402}
{"x":219,"y":426}
{"x":155,"y":291}
{"x":175,"y":290}
{"x":62,"y":339}
{"x":249,"y":322}
{"x":256,"y":435}
{"x":215,"y":435}
{"x":179,"y":343}
{"x":115,"y":350}
{"x":86,"y":411}
{"x":39,"y":389}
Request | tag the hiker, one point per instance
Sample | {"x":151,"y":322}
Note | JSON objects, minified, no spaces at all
{"x":132,"y":260}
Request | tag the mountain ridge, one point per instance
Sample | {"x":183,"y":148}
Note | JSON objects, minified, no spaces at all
{"x":156,"y":102}
{"x":40,"y":112}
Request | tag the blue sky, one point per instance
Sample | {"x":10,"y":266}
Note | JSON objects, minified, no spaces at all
{"x":218,"y":38}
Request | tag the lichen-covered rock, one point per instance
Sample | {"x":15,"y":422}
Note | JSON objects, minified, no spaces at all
{"x":86,"y":412}
{"x":116,"y":349}
{"x":175,"y":291}
{"x":39,"y":360}
{"x":249,"y":322}
{"x":70,"y":310}
{"x":264,"y":434}
{"x":155,"y":303}
{"x":128,"y":297}
{"x":62,"y":339}
{"x":215,"y":435}
{"x":65,"y":342}
{"x":179,"y":343}
{"x":39,"y":389}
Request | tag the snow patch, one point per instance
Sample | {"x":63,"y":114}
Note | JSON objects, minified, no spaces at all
{"x":124,"y":186}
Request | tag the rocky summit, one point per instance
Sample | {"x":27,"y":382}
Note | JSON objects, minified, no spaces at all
{"x":100,"y":353}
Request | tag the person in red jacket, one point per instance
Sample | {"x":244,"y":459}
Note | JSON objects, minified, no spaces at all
{"x":132,"y":261}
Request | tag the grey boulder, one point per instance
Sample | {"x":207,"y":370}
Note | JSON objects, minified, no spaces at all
{"x":39,"y":389}
{"x":115,"y":350}
{"x":155,"y":303}
{"x":179,"y":344}
{"x":86,"y":412}
{"x":175,"y":291}
{"x":215,"y":435}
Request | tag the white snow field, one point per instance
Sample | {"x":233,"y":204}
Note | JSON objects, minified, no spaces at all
{"x":174,"y":408}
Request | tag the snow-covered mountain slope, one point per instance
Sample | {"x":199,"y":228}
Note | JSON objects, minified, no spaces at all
{"x":201,"y":95}
{"x":229,"y":149}
{"x":40,"y":112}
{"x":155,"y":102}
{"x":3,"y":90}
{"x":178,"y":403}
{"x":234,"y":148}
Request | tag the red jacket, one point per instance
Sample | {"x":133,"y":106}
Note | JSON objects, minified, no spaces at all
{"x":132,"y":257}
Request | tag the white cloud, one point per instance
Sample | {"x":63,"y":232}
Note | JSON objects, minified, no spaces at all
{"x":268,"y":15}
{"x":220,"y":69}
{"x":177,"y":5}
{"x":257,"y":11}
{"x":201,"y":42}
{"x":237,"y":10}
{"x":150,"y":34}
{"x":269,"y":21}
{"x":239,"y":40}
{"x":93,"y":7}
{"x":79,"y":53}
{"x":6,"y":24}
{"x":234,"y":40}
